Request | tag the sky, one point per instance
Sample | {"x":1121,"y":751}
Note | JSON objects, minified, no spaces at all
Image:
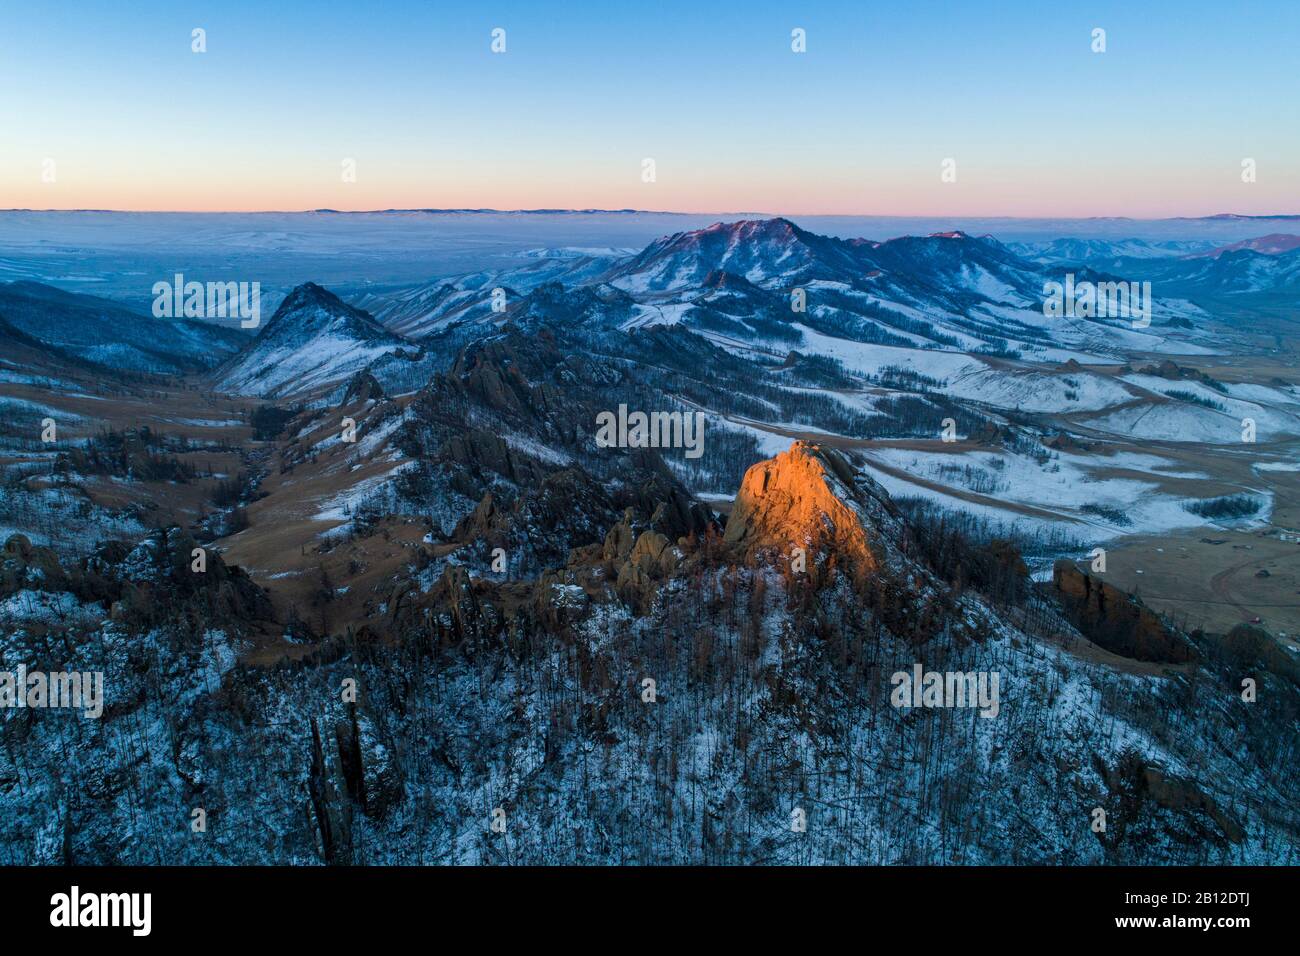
{"x":106,"y":106}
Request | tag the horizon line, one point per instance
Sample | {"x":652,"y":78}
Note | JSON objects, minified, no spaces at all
{"x":562,"y":211}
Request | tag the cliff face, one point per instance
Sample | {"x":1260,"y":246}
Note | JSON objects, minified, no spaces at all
{"x":802,"y":498}
{"x":1115,"y":620}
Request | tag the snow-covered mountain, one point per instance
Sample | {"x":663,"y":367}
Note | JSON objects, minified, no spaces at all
{"x":313,"y":341}
{"x":1100,"y":252}
{"x":738,"y":281}
{"x":766,"y":252}
{"x":1237,"y":272}
{"x":1270,"y":245}
{"x":98,"y":330}
{"x":773,"y":284}
{"x":418,"y":311}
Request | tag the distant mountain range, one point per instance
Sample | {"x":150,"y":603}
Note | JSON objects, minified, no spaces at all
{"x":1265,"y":265}
{"x":1095,"y":250}
{"x":766,"y":284}
{"x":736,"y":281}
{"x":1085,"y":250}
{"x":1270,"y":245}
{"x":1237,"y":272}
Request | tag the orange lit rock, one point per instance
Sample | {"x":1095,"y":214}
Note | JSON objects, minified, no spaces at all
{"x":794,"y":500}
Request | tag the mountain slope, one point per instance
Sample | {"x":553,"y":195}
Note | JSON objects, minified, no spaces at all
{"x":1102,"y":251}
{"x":657,"y":695}
{"x":769,"y":283}
{"x":314,"y":340}
{"x":1237,"y":272}
{"x":109,"y":334}
{"x":426,"y":309}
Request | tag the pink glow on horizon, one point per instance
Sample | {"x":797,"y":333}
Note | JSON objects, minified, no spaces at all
{"x":895,"y":192}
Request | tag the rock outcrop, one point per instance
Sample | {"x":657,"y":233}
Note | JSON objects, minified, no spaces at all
{"x":651,"y":560}
{"x":161,"y":575}
{"x":24,"y":563}
{"x":1140,"y":790}
{"x":363,"y":387}
{"x":1116,"y":620}
{"x":802,"y":498}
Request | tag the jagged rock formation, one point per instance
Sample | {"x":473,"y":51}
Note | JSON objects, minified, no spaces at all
{"x":643,"y":562}
{"x":798,"y":499}
{"x":24,"y":563}
{"x":151,"y":582}
{"x":363,"y":387}
{"x":1116,"y":620}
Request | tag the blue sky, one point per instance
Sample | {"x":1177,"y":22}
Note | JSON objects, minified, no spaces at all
{"x":1038,"y":124}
